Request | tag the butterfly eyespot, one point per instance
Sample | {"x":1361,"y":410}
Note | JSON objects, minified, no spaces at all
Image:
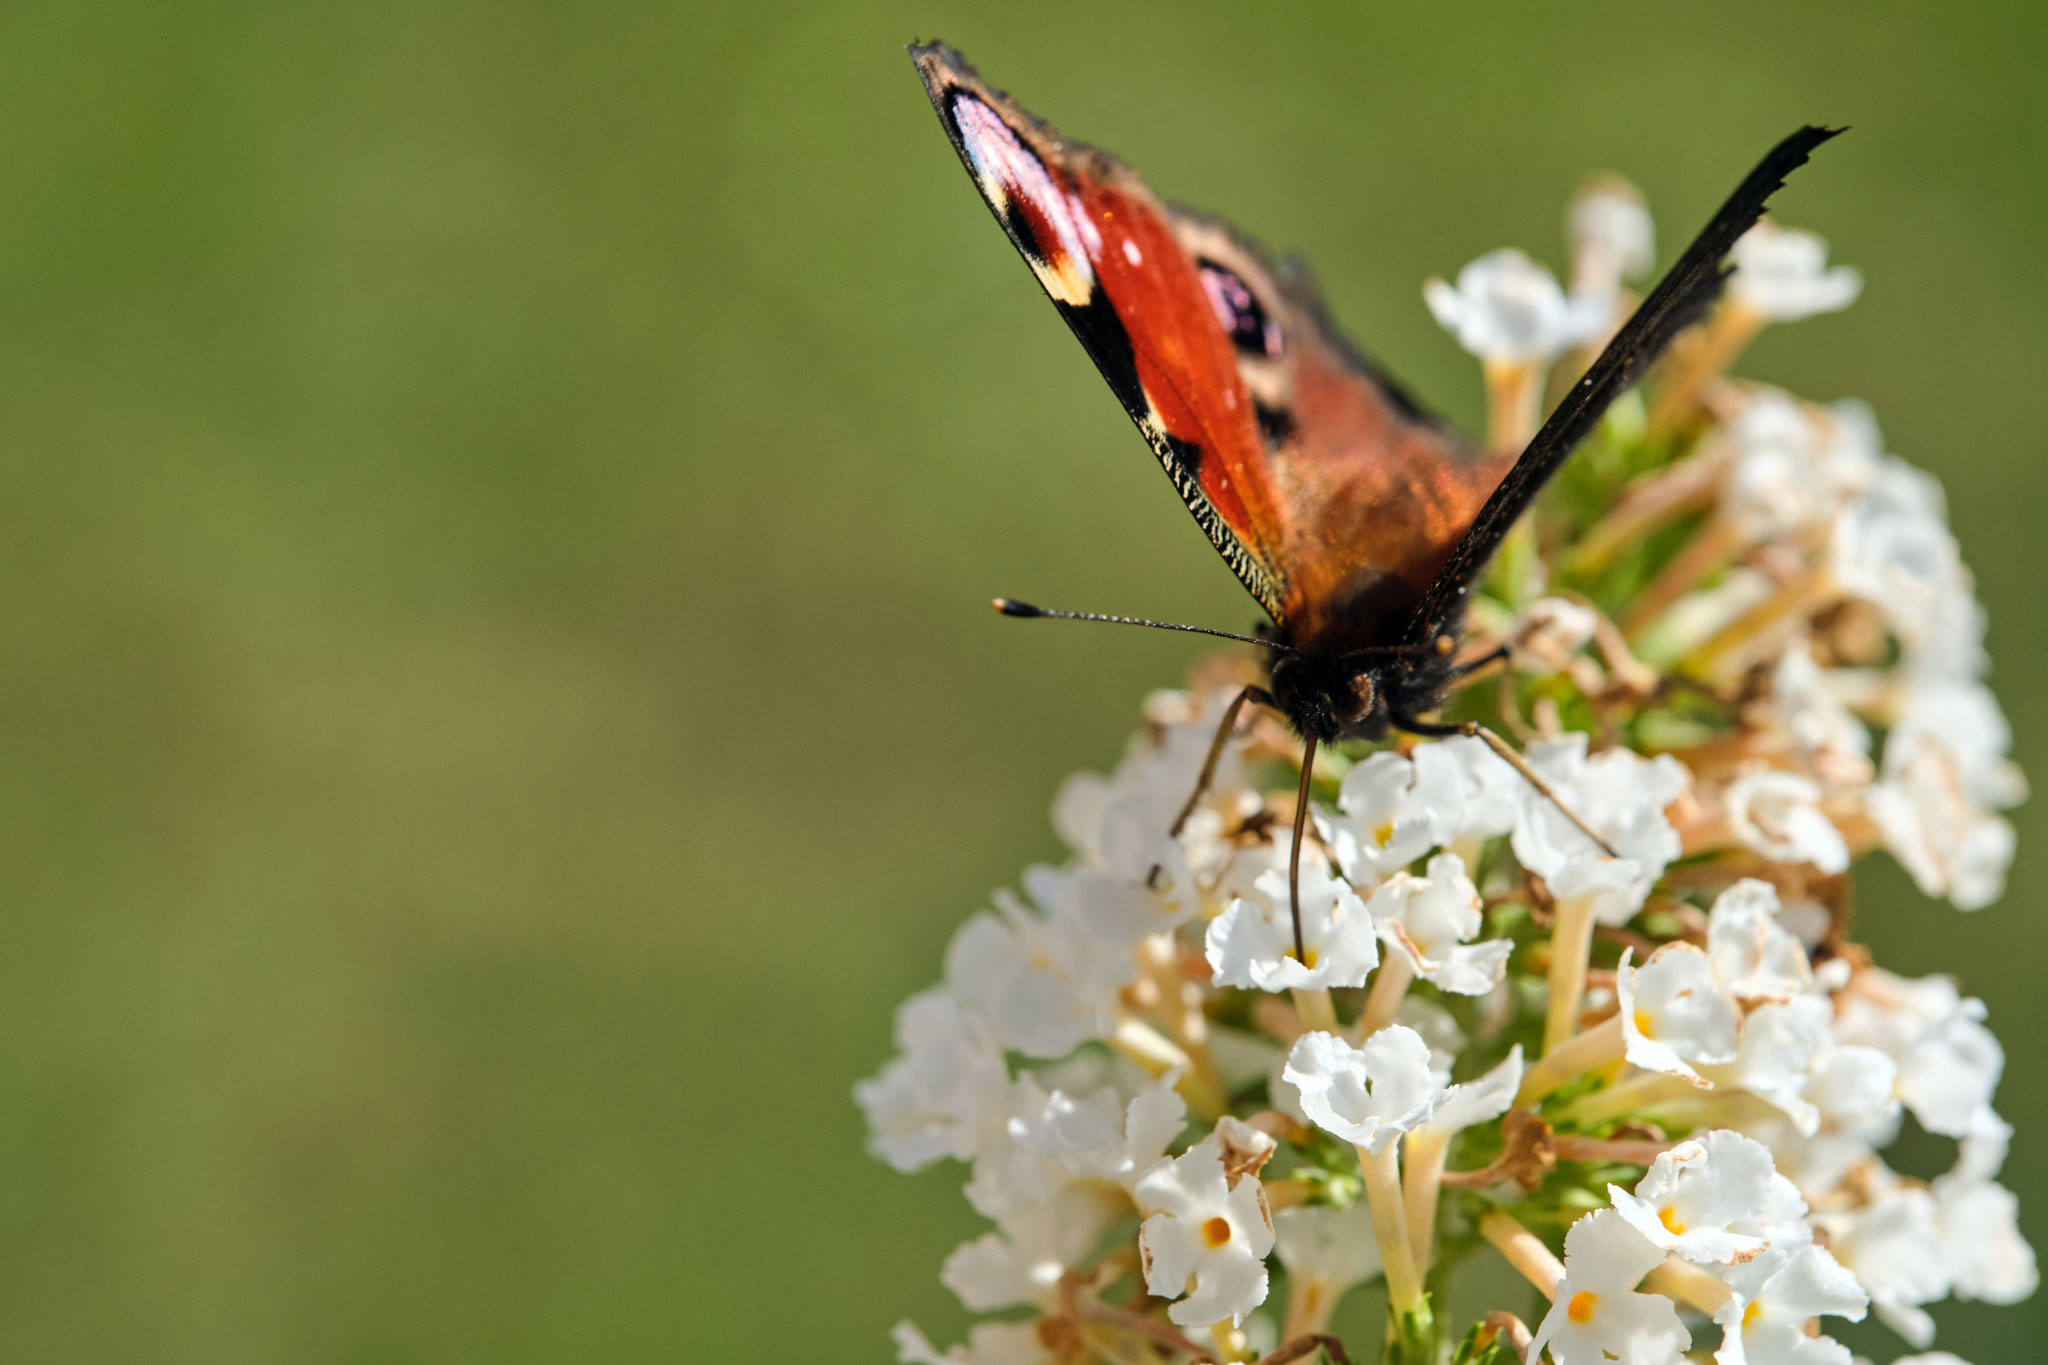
{"x":1445,"y":644}
{"x":1244,"y":319}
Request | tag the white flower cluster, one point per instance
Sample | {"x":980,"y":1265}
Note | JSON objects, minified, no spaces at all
{"x":1504,"y":996}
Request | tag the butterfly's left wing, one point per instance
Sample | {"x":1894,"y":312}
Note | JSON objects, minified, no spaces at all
{"x":1103,"y":250}
{"x":1329,"y":494}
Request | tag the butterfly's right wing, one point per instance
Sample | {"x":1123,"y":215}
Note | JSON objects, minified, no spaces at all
{"x":1687,"y":290}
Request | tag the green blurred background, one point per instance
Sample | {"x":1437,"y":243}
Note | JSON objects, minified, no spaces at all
{"x":497,"y":503}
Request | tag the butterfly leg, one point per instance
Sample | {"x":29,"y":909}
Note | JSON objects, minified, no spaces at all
{"x":1302,"y":1347}
{"x":1224,"y":731}
{"x":1258,"y":695}
{"x":1500,"y":653}
{"x":1472,"y":729}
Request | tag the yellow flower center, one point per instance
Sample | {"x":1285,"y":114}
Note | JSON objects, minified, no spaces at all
{"x":1308,"y":961}
{"x":1383,"y":832}
{"x":1580,"y":1309}
{"x":1216,"y":1231}
{"x":1751,"y":1314}
{"x":1669,"y":1218}
{"x":1643,"y":1024}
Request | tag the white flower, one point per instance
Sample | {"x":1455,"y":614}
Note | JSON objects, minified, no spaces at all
{"x":1960,"y":717}
{"x":988,"y":1343}
{"x":944,"y":1095}
{"x":1892,"y":548}
{"x":1494,"y":793}
{"x":1931,"y":1358}
{"x":1481,"y":1100}
{"x":1854,"y":1093}
{"x":1954,"y":641}
{"x":1780,"y":1043}
{"x":1773,"y":1299}
{"x":1783,"y":274}
{"x":1674,"y":1015}
{"x":1367,"y":1096}
{"x":1753,"y":955}
{"x":1893,"y":1246}
{"x":1611,"y":235}
{"x":1950,"y":846}
{"x":1428,"y":920}
{"x":1598,"y":1317}
{"x":1948,"y":1062}
{"x":1052,"y":1139}
{"x":1251,"y":944}
{"x":1437,"y":1027}
{"x":1695,"y":1193}
{"x":1207,"y":1242}
{"x":1778,"y":815}
{"x":1823,"y":731}
{"x":1549,"y":631}
{"x":1094,"y":813}
{"x":1044,"y":982}
{"x":1945,"y":773}
{"x":1618,"y":793}
{"x":1395,"y":809}
{"x":1796,"y":465}
{"x":1948,"y":1074}
{"x":1022,"y":1260}
{"x":1980,"y":1236}
{"x":1507,"y":309}
{"x":1610,"y":890}
{"x":1327,"y":1252}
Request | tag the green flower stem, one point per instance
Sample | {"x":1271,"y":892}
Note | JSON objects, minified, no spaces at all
{"x":1382,"y":1171}
{"x":1229,"y":1341}
{"x":1648,"y":1092}
{"x":1710,"y":548}
{"x":1688,"y":1284}
{"x":1601,"y":1045}
{"x":1389,"y":987}
{"x":1728,"y":334}
{"x":1571,"y":947}
{"x":1158,"y":1055}
{"x":1524,"y":1251}
{"x":1421,"y":1180}
{"x":1318,"y":1012}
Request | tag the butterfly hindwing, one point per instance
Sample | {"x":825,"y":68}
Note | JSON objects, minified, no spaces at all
{"x":1329,"y":494}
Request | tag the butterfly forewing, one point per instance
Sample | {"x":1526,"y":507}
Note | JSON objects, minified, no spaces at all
{"x":1329,"y":494}
{"x":1103,"y":249}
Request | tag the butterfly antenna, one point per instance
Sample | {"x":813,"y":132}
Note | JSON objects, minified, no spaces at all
{"x":1010,"y":606}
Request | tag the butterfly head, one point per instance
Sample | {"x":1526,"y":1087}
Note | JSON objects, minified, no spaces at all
{"x":1363,"y":695}
{"x":1330,"y":698}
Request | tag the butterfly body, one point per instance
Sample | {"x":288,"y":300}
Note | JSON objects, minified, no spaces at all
{"x":1355,"y":519}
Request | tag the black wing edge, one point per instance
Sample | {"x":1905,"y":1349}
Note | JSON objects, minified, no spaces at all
{"x":1687,"y":290}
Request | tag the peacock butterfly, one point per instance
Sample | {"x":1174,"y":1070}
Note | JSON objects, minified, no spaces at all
{"x":1358,"y":522}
